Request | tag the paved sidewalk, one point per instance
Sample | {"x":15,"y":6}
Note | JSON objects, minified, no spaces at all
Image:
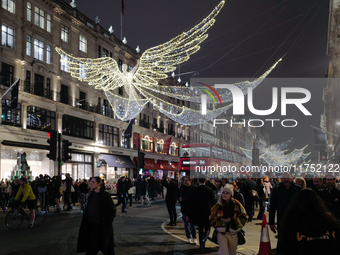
{"x":252,"y":236}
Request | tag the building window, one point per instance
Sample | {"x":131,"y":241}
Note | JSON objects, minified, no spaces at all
{"x":38,"y":49}
{"x":120,"y":64}
{"x":28,"y":45}
{"x":7,"y":75}
{"x":48,"y":54}
{"x":108,"y":135}
{"x":40,"y":119}
{"x":64,"y":65}
{"x":105,"y":52}
{"x":82,"y":43}
{"x":147,"y":143}
{"x":8,"y":5}
{"x":48,"y":92}
{"x":7,"y":36}
{"x":39,"y":17}
{"x":10,"y":116}
{"x":125,"y":142}
{"x":77,"y":127}
{"x":64,"y":33}
{"x":49,"y":23}
{"x":29,"y":11}
{"x":99,"y":51}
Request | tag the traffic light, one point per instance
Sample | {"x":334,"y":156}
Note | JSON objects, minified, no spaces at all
{"x":65,"y":150}
{"x":52,"y":141}
{"x":141,"y":156}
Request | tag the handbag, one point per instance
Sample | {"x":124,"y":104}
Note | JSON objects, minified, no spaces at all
{"x":72,"y":189}
{"x":254,"y":193}
{"x":240,"y":237}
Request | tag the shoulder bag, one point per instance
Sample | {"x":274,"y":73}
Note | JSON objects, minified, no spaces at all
{"x":240,"y":237}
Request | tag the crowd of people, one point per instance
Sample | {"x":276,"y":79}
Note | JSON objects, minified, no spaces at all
{"x":50,"y":192}
{"x":303,"y":211}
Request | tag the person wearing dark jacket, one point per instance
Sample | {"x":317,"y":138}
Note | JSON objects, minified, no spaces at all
{"x":56,"y":183}
{"x":144,"y":198}
{"x":248,"y":186}
{"x":96,"y":230}
{"x":67,"y":192}
{"x":153,"y":187}
{"x":170,"y":199}
{"x":201,"y":201}
{"x":261,"y":191}
{"x":280,"y":200}
{"x":121,"y":193}
{"x":237,"y":194}
{"x":83,"y":191}
{"x":308,"y":228}
{"x":183,"y":196}
{"x":331,"y":196}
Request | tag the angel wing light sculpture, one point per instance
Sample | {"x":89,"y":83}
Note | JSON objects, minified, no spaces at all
{"x":141,"y":84}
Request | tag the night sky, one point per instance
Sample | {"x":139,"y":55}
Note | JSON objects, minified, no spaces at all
{"x":249,"y":35}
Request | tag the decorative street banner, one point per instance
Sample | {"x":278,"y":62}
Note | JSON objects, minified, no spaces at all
{"x":166,"y":145}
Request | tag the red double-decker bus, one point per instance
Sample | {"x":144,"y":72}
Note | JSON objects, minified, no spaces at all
{"x":204,"y":157}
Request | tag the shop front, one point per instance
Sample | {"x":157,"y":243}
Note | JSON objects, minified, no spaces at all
{"x":167,"y":168}
{"x":36,"y":161}
{"x":80,"y":166}
{"x":116,"y":166}
{"x":151,"y":168}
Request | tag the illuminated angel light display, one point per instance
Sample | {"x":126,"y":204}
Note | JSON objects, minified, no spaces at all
{"x":141,"y":84}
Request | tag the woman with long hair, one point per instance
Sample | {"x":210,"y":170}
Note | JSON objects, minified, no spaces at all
{"x":228,"y":217}
{"x":308,"y":228}
{"x":96,"y":230}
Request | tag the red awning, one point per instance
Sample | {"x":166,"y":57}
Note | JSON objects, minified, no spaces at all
{"x":151,"y":165}
{"x":165,"y":165}
{"x":174,"y":165}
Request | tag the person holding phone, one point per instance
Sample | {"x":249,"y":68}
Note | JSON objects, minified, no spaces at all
{"x":228,"y":216}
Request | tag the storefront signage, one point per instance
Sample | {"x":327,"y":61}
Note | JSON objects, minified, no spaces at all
{"x":31,"y":140}
{"x":193,"y":162}
{"x":116,"y":152}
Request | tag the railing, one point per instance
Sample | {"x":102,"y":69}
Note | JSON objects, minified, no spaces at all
{"x":144,"y":124}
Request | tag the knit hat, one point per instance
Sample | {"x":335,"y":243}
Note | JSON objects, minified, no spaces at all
{"x":265,"y":178}
{"x":228,"y":188}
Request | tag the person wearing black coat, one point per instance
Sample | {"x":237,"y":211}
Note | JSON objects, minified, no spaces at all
{"x":121,"y":193}
{"x":184,"y":194}
{"x":144,"y":198}
{"x":280,"y":199}
{"x":247,"y":187}
{"x":261,"y":191}
{"x":201,"y":201}
{"x":170,"y":199}
{"x":67,"y":192}
{"x":96,"y":230}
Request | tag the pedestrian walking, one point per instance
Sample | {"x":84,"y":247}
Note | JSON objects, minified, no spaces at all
{"x":138,"y":184}
{"x":248,"y":187}
{"x":170,"y":199}
{"x":184,"y":194}
{"x":331,"y":196}
{"x":122,"y":193}
{"x":57,"y":188}
{"x":279,"y":202}
{"x":201,"y":201}
{"x":96,"y":230}
{"x":262,"y":197}
{"x":308,"y":227}
{"x":143,"y":197}
{"x":237,"y":194}
{"x":74,"y":194}
{"x":83,"y":192}
{"x":67,"y":192}
{"x":228,"y":216}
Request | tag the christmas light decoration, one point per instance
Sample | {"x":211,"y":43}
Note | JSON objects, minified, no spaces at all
{"x":275,"y":154}
{"x":141,"y":84}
